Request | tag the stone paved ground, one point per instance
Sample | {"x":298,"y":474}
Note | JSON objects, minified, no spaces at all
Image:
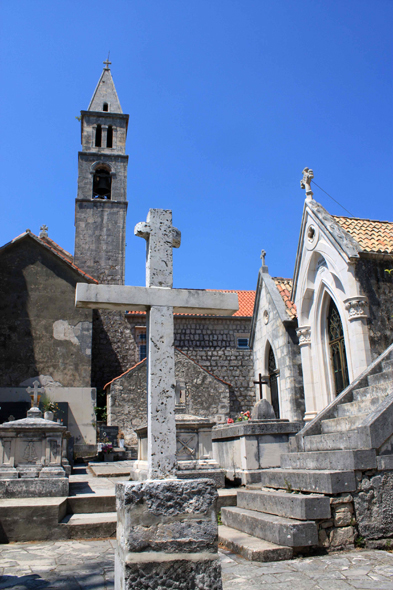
{"x":88,"y":565}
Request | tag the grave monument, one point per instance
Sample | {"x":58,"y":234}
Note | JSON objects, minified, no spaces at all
{"x":167,"y":529}
{"x":31,"y":455}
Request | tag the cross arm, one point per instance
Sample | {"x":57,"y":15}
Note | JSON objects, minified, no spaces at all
{"x":142,"y":298}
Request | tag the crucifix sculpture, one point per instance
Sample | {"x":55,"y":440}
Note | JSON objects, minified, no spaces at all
{"x":160,"y":301}
{"x":35,"y":392}
{"x":305,"y":182}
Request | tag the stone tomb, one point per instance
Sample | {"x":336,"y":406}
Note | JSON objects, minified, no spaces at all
{"x":31,"y":457}
{"x":244,"y":449}
{"x":167,"y":530}
{"x":194,"y":452}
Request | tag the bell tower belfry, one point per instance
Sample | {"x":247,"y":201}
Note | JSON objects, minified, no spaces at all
{"x":101,"y":203}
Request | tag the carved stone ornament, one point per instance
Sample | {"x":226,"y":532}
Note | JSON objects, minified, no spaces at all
{"x":312,"y":236}
{"x":266,"y":317}
{"x":305,"y":182}
{"x":356,"y":307}
{"x":304,"y":335}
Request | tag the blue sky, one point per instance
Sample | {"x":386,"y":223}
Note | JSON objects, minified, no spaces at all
{"x":228,"y":101}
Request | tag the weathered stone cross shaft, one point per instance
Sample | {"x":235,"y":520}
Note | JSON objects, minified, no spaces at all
{"x":159,"y":300}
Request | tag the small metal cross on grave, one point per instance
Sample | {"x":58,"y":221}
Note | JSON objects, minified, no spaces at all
{"x":35,"y":393}
{"x":261,"y":381}
{"x":107,"y":63}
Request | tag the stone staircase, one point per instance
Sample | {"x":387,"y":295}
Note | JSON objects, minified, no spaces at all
{"x":297,"y":505}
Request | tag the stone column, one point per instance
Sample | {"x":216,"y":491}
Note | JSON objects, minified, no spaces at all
{"x":358,"y":353}
{"x":304,"y":335}
{"x":167,"y":535}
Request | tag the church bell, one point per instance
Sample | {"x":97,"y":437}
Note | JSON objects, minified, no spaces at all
{"x":102,"y":184}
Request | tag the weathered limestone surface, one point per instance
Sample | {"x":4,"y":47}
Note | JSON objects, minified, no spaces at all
{"x":374,"y":505}
{"x":167,"y":533}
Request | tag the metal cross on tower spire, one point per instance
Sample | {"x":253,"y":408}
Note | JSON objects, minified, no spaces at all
{"x":107,"y":63}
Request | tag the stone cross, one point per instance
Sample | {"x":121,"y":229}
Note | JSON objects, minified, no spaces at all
{"x":44,"y":231}
{"x":34,"y":391}
{"x":263,"y":256}
{"x":305,"y":182}
{"x":160,"y":301}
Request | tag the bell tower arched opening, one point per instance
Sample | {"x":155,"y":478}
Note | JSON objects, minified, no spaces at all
{"x":102,"y":184}
{"x":337,"y":352}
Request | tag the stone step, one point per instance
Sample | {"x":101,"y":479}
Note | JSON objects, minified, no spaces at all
{"x":250,"y":547}
{"x":371,"y":391}
{"x":331,"y":460}
{"x":88,"y":526}
{"x":309,"y":480}
{"x":342,"y":424}
{"x":384,"y":377}
{"x":272,"y":528}
{"x":91,"y":503}
{"x":331,"y":442}
{"x":299,"y":506}
{"x":363,"y":406}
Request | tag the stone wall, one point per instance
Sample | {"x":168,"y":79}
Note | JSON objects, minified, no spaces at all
{"x":212,"y":343}
{"x":270,"y":330}
{"x":205,"y":396}
{"x":377,"y":285}
{"x":41,"y":331}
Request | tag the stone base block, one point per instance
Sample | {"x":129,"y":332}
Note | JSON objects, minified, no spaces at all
{"x":167,"y":535}
{"x":178,"y":571}
{"x":36,"y":487}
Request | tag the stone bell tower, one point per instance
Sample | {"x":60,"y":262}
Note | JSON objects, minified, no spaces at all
{"x":101,"y":203}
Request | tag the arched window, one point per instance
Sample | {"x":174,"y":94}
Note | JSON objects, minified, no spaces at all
{"x":98,"y":136}
{"x":105,"y":106}
{"x":338,"y":355}
{"x":273,"y":375}
{"x":109,"y":137}
{"x":102,"y":184}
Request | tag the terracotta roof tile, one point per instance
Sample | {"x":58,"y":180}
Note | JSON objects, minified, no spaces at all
{"x":284,"y":287}
{"x":371,"y":235}
{"x":246,"y":304}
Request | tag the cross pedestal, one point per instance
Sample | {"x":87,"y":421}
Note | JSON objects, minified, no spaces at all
{"x":160,"y":301}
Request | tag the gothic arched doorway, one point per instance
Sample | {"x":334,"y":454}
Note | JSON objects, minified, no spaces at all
{"x":273,"y":376}
{"x":338,"y":355}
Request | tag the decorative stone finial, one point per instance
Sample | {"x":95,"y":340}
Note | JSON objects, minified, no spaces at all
{"x":44,"y":231}
{"x":305,"y":182}
{"x":263,"y":256}
{"x":107,"y":63}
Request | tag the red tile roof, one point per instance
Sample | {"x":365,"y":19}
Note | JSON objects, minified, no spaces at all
{"x":371,"y":235}
{"x":284,"y":287}
{"x":246,"y":304}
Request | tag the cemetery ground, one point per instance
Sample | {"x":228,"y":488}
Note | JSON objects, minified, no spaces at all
{"x":89,"y":565}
